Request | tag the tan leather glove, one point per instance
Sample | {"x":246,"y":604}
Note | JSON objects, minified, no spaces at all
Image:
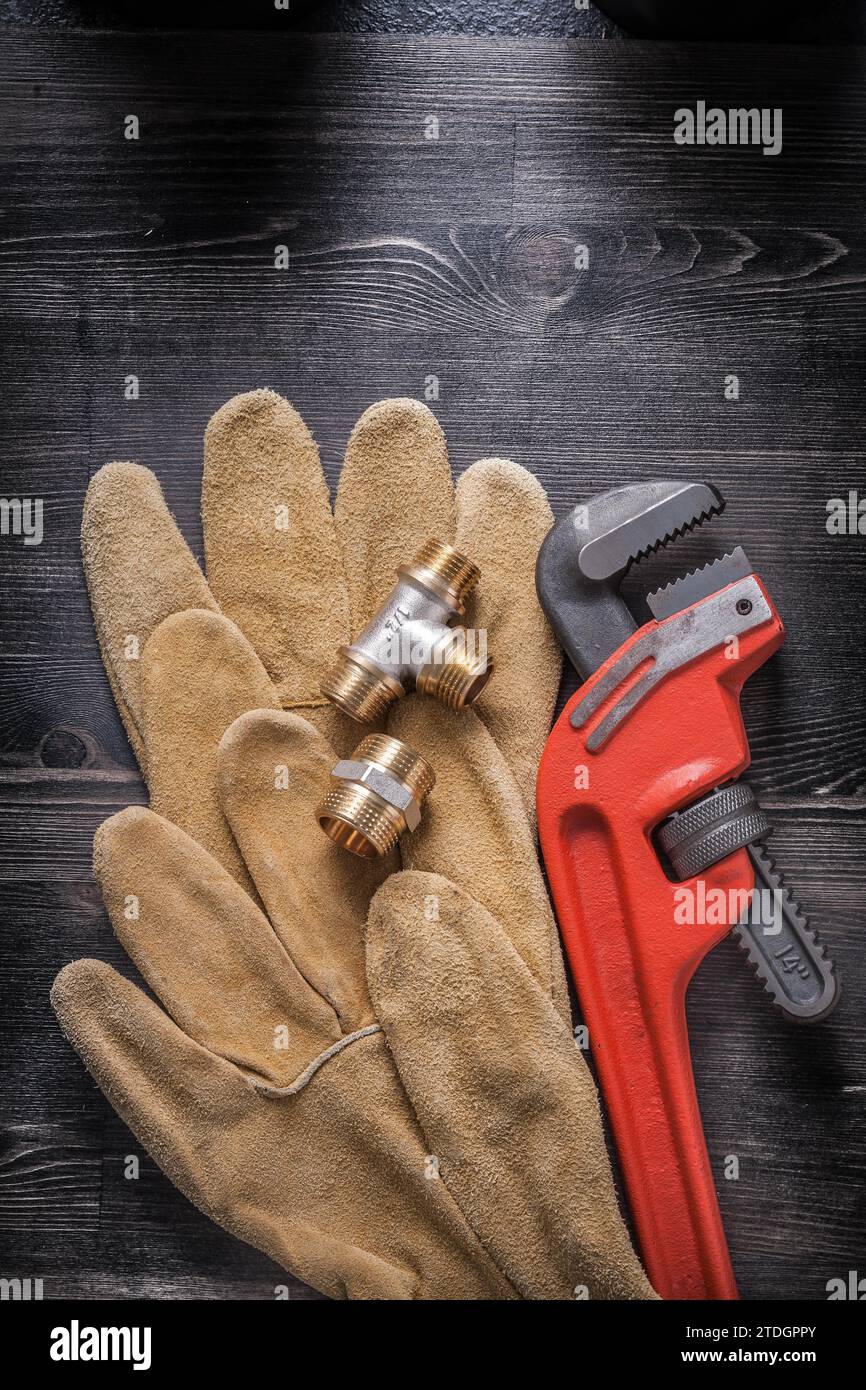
{"x":500,"y":1093}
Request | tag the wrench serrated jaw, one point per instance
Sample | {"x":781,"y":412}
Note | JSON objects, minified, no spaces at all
{"x":631,"y":522}
{"x":699,"y":584}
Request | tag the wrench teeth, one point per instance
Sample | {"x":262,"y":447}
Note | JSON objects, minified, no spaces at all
{"x":622,"y":526}
{"x":699,"y":583}
{"x":691,"y":523}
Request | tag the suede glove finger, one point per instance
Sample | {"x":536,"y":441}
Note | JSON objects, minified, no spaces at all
{"x":502,"y":518}
{"x":198,"y":674}
{"x":207,"y":951}
{"x":512,"y":1115}
{"x":139,"y":570}
{"x":395,"y":492}
{"x":272,"y":768}
{"x":273,"y":557}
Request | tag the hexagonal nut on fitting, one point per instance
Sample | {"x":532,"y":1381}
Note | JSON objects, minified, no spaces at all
{"x":410,"y":641}
{"x":376,"y":795}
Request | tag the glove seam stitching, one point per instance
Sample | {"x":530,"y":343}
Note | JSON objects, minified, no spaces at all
{"x":309,"y":1072}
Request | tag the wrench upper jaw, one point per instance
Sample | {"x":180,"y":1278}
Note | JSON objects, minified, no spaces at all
{"x":631,"y":522}
{"x":587,"y":552}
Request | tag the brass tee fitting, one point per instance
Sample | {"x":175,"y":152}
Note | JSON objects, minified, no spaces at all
{"x":375,"y":796}
{"x":409,"y":641}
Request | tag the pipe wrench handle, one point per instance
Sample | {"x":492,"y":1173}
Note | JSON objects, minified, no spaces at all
{"x":634,"y":1008}
{"x":655,"y":727}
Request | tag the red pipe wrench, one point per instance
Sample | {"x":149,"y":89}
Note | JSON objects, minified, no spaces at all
{"x":654,"y":852}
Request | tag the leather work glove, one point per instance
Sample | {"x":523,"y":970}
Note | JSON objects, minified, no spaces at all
{"x":413,"y":1121}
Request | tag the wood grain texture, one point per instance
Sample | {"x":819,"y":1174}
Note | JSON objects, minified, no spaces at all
{"x":411,"y":258}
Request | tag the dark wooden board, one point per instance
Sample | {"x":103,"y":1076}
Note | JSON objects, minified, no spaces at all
{"x":411,"y":257}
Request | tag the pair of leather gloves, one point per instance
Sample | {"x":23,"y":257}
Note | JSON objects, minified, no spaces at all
{"x":366,"y":1071}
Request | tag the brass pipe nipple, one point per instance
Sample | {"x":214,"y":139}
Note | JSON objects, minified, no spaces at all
{"x":375,"y":796}
{"x":410,"y":641}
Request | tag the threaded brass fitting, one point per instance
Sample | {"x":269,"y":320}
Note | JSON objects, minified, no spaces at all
{"x":409,"y":641}
{"x":363,"y":693}
{"x":439,"y":566}
{"x":375,"y":796}
{"x":459,"y":676}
